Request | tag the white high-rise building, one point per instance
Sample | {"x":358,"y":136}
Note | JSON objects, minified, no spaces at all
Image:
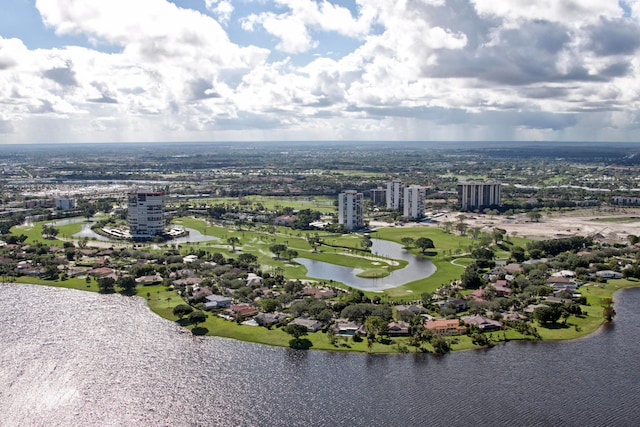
{"x":351,"y":209}
{"x":476,"y":195}
{"x":146,"y":214}
{"x":395,"y":194}
{"x":414,"y":196}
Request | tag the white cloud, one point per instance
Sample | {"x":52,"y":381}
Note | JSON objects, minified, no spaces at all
{"x":480,"y":69}
{"x":221,"y":8}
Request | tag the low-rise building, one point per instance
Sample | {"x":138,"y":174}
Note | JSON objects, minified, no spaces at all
{"x":445,"y":327}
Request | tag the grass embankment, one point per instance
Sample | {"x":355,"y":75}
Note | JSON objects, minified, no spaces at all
{"x":590,"y":321}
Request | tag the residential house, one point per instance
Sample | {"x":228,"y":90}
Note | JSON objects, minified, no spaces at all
{"x":149,"y":280}
{"x":318,"y":293}
{"x":240,"y":311}
{"x":609,"y":274}
{"x":483,"y":323}
{"x":445,"y":327}
{"x":413,"y":309}
{"x":456,"y":303}
{"x":217,"y":301}
{"x":399,"y":328}
{"x":269,"y":319}
{"x":311,"y":324}
{"x":344,"y":327}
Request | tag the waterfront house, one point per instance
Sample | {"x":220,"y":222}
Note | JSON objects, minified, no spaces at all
{"x":311,"y":324}
{"x":399,"y":328}
{"x":445,"y":327}
{"x":269,"y":319}
{"x":483,"y":323}
{"x":344,"y":327}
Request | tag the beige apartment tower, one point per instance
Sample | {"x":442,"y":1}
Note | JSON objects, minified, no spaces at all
{"x":478,"y":195}
{"x":351,"y":209}
{"x":146,"y":214}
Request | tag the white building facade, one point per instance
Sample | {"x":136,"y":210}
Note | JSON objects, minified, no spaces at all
{"x":414,"y":196}
{"x":395,"y":194}
{"x":351,"y":209}
{"x":476,"y":195}
{"x":146,"y":214}
{"x":65,"y":203}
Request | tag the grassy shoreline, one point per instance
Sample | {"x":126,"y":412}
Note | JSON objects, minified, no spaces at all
{"x":161,"y":302}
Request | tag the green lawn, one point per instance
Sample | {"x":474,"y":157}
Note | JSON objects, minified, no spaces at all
{"x":317,"y":203}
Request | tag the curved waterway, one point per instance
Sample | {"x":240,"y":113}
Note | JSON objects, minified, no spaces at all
{"x":416,"y":269}
{"x":77,"y":358}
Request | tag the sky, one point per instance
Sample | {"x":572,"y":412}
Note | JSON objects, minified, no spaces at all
{"x":295,"y":70}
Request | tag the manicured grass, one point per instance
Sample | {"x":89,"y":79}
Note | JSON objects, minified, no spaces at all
{"x":592,"y":317}
{"x":72,"y":283}
{"x":317,"y":203}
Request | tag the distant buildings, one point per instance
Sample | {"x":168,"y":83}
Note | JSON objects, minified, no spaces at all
{"x":146,"y":214}
{"x":65,"y":203}
{"x":414,"y":196}
{"x":351,"y":209}
{"x":395,"y":195}
{"x":477,"y":195}
{"x":625,"y":201}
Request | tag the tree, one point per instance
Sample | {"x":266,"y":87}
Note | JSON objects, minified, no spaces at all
{"x":366,"y":243}
{"x":633,"y":239}
{"x":182,"y":310}
{"x":49,"y":231}
{"x":248,"y":258}
{"x":106,"y":285}
{"x":289,"y":254}
{"x":534,"y":216}
{"x":481,"y":340}
{"x":518,"y":254}
{"x":268,"y":305}
{"x":407,"y":242}
{"x":127,"y":285}
{"x":462,"y":228}
{"x":440,"y":344}
{"x":376,"y":326}
{"x":608,"y":312}
{"x":471,"y":277}
{"x":498,"y":234}
{"x":296,"y":331}
{"x":547,"y":314}
{"x":197,"y":317}
{"x":233,"y":241}
{"x":277,"y":249}
{"x":424,"y":243}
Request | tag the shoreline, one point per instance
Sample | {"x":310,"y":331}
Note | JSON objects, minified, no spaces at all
{"x":162,"y":305}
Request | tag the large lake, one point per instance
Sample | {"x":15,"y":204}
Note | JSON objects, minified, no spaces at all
{"x":72,"y":358}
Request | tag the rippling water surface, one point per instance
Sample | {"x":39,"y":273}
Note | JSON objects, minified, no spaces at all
{"x":76,"y":358}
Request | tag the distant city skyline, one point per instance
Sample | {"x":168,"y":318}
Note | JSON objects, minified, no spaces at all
{"x":295,"y":70}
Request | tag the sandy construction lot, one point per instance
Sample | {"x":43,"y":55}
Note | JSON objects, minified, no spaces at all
{"x":612,"y":226}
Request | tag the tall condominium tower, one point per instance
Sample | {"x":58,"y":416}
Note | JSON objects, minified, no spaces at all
{"x":476,"y":195}
{"x":395,"y":194}
{"x":414,"y":196}
{"x":351,"y":209}
{"x":146,"y":214}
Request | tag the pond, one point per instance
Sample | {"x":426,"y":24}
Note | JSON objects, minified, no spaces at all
{"x":417,"y":268}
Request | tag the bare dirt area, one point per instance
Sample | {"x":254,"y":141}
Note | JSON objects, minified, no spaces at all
{"x":613,"y":227}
